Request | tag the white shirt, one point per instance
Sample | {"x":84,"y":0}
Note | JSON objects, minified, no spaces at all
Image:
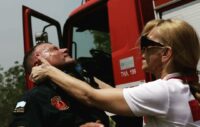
{"x":165,"y":103}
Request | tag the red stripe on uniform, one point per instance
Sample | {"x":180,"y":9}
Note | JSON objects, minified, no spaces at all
{"x":195,"y":110}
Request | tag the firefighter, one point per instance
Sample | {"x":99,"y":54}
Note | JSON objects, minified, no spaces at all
{"x":46,"y":105}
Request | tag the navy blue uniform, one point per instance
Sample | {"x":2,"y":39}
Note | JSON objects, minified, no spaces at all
{"x":47,"y":105}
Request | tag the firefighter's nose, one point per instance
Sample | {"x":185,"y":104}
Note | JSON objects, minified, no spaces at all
{"x":65,"y":50}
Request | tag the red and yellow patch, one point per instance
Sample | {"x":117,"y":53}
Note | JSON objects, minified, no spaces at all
{"x":58,"y":103}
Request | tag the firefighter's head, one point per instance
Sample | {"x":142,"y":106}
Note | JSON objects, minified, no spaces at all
{"x":171,"y":46}
{"x":54,"y":55}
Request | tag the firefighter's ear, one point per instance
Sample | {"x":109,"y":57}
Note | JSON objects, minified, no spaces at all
{"x":36,"y":63}
{"x":167,"y":54}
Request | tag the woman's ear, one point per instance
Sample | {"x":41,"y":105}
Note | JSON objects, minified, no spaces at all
{"x":167,"y":54}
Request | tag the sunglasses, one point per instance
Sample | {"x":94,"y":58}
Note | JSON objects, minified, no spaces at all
{"x":146,"y":42}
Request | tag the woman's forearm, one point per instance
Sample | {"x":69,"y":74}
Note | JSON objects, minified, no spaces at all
{"x":100,"y":98}
{"x":102,"y":85}
{"x":71,"y":85}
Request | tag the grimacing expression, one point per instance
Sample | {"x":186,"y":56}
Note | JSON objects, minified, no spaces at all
{"x":54,"y":55}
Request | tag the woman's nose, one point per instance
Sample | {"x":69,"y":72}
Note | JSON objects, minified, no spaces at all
{"x":143,"y":54}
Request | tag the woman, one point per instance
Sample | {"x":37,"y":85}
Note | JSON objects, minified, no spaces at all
{"x":171,"y":51}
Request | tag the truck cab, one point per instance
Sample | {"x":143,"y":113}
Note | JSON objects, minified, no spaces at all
{"x":101,"y":34}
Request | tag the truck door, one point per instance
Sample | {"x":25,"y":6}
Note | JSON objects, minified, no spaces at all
{"x":86,"y":33}
{"x":38,"y":27}
{"x":105,"y":32}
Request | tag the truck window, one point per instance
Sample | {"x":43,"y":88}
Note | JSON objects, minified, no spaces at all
{"x":92,"y":49}
{"x":88,"y":40}
{"x":40,"y":26}
{"x":91,"y":42}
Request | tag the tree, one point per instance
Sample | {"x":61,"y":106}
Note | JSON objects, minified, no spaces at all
{"x":101,"y":40}
{"x":11,"y":88}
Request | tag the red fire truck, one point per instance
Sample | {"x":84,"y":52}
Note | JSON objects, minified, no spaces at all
{"x":120,"y":20}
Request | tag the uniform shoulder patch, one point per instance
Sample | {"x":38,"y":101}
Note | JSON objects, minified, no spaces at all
{"x":20,"y":107}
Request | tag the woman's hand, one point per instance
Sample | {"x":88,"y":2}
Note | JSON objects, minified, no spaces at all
{"x":93,"y":124}
{"x":40,"y":73}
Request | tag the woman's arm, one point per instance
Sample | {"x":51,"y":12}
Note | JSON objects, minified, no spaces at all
{"x":111,"y":99}
{"x":102,"y":85}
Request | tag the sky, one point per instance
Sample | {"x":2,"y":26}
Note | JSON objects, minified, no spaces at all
{"x":11,"y":29}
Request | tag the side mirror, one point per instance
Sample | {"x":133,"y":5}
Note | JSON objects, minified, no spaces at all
{"x":42,"y":36}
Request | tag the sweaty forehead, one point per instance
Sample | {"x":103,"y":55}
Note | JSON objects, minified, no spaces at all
{"x":43,"y":47}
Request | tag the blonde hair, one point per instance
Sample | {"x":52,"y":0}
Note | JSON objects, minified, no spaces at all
{"x":184,"y":42}
{"x":149,"y":26}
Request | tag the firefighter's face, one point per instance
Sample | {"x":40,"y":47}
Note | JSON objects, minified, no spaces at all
{"x":54,"y":55}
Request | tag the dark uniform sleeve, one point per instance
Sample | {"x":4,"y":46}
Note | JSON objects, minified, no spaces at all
{"x":26,"y":114}
{"x":93,"y":114}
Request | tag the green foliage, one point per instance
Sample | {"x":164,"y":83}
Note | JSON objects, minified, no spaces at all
{"x":101,"y":41}
{"x":11,"y":88}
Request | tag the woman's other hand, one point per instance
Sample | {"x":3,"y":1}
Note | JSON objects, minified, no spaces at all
{"x":92,"y":124}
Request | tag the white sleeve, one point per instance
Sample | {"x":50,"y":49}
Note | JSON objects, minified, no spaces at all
{"x":148,"y":99}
